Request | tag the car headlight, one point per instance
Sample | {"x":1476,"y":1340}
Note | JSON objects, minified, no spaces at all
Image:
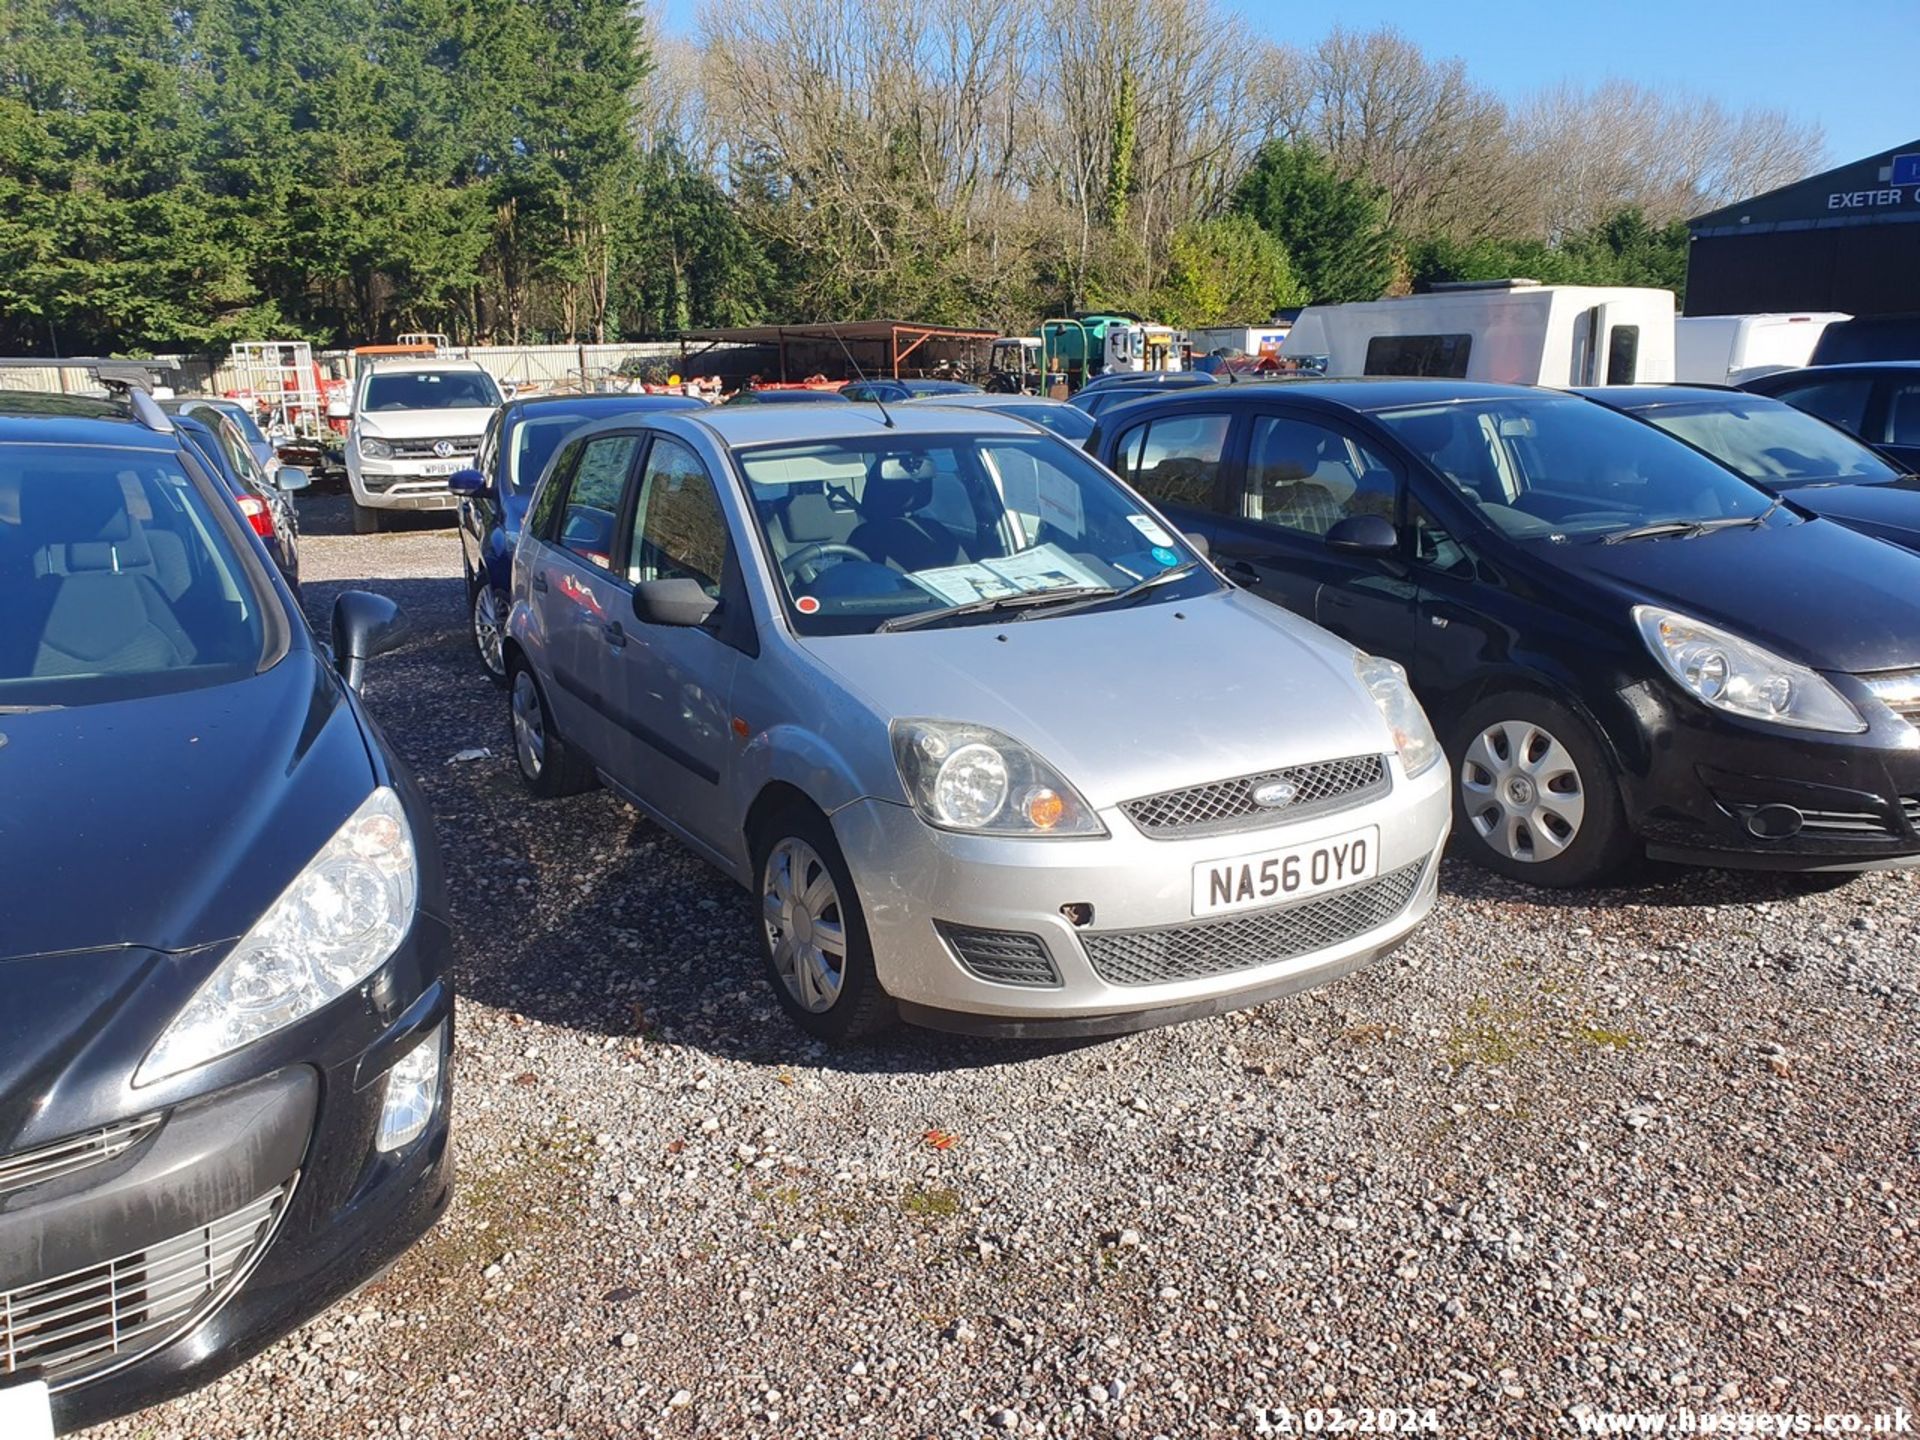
{"x":1742,"y":678}
{"x":374,"y":448}
{"x":972,"y":778}
{"x":1413,"y":735}
{"x":337,"y":923}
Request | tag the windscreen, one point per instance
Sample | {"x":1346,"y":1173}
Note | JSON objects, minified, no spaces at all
{"x":242,"y":418}
{"x":115,"y":580}
{"x":1069,"y":422}
{"x":870,"y":530}
{"x":1772,"y":442}
{"x":1544,"y":468}
{"x":431,"y":390}
{"x":534,"y":442}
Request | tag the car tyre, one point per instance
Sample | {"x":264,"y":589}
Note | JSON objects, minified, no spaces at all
{"x":813,"y":934}
{"x":366,"y":519}
{"x":549,"y":767}
{"x":486,"y":627}
{"x":1536,"y":796}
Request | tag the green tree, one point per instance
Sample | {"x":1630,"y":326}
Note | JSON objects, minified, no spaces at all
{"x":1333,"y":229}
{"x":685,"y":258}
{"x":1223,"y":270}
{"x":1621,"y":250}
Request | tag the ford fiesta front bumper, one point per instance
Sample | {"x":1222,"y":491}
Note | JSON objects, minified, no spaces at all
{"x":1099,"y":936}
{"x":164,"y":1250}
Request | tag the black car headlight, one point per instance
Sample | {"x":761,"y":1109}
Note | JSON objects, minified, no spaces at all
{"x":339,"y":921}
{"x":1735,"y":675}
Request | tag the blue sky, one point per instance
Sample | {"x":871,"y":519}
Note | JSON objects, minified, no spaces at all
{"x":1851,"y":66}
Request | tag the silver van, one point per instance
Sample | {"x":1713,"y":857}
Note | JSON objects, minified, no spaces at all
{"x":993,"y":747}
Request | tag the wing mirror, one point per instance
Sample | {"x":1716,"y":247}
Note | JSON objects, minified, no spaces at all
{"x":1364,"y":535}
{"x":291,"y":477}
{"x":467,"y":482}
{"x":364,"y":625}
{"x":678,"y":601}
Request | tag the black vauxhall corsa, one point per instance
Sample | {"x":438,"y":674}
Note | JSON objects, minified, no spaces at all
{"x":224,"y":1022}
{"x":1625,"y":645}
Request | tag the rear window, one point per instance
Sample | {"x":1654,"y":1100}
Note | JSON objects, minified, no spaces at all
{"x":1442,"y":355}
{"x":116,"y":581}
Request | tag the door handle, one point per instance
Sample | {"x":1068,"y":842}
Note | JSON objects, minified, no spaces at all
{"x":1241,"y":571}
{"x":540,"y":581}
{"x":614,"y":635}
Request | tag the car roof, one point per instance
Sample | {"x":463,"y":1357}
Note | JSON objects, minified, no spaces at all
{"x":984,"y":400}
{"x":799,"y":424}
{"x":599,"y":402}
{"x":1652,"y":397}
{"x":37,"y":417}
{"x":377,"y":366}
{"x":1843,"y":366}
{"x":1366,"y":396}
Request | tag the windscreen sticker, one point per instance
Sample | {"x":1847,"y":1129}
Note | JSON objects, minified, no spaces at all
{"x":807,"y":605}
{"x":1156,"y":533}
{"x":1060,"y":504}
{"x":1165,"y":556}
{"x":1045,"y":567}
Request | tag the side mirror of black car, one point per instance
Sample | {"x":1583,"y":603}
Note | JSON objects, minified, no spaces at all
{"x":467,"y":482}
{"x":678,"y":601}
{"x":1197,"y":543}
{"x":364,"y":625}
{"x":1364,"y":535}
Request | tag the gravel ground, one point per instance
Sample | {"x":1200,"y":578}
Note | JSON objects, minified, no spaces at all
{"x":1649,"y":1148}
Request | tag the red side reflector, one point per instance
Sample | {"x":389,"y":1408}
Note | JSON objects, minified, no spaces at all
{"x":258,"y":516}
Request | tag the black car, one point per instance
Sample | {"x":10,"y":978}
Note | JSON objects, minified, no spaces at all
{"x":1624,"y":645}
{"x":888,"y":390}
{"x":266,"y":506}
{"x":225,"y":1035}
{"x":1784,"y":451}
{"x":519,"y":441}
{"x":1879,"y":403}
{"x":1868,"y":337}
{"x":1103,"y":393}
{"x":784,"y":395}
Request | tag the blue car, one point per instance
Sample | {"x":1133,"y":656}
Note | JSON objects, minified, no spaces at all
{"x":887,"y":391}
{"x":495,"y":493}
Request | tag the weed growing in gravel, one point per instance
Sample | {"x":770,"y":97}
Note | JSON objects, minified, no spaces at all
{"x":917,"y":1201}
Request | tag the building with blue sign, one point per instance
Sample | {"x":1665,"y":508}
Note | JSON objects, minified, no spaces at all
{"x":1847,"y":239}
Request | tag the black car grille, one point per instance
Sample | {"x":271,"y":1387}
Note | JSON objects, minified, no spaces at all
{"x":66,"y":1328}
{"x":1242,"y":942}
{"x":1898,"y":690}
{"x":1227,"y":805}
{"x":1006,"y":957}
{"x":49,"y":1162}
{"x":462,"y":445}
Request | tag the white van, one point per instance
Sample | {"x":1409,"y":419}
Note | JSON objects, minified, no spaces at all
{"x":1250,"y":340}
{"x":1512,"y":331}
{"x":1727,"y":349}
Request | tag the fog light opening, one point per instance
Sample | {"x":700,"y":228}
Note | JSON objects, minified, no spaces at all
{"x":1775,"y":822}
{"x":1079,"y":913}
{"x":413,"y":1090}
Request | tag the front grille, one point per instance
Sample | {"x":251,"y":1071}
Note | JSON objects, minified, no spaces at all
{"x":1844,"y":822}
{"x":463,"y":446}
{"x":1910,"y":807}
{"x":1228,"y":805}
{"x":71,"y":1326}
{"x":32,"y":1167}
{"x":1898,"y":690}
{"x":1006,"y":957}
{"x":1241,"y":942}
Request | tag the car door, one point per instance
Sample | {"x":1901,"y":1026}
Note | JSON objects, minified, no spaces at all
{"x":1298,"y":475}
{"x":1177,"y":459}
{"x":672,"y":683}
{"x":577,"y":598}
{"x":479,"y":514}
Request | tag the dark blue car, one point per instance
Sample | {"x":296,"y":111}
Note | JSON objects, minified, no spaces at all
{"x":495,"y":494}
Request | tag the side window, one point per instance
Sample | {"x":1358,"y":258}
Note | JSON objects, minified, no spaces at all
{"x":1841,"y":402}
{"x":678,"y":529}
{"x":1303,"y":476}
{"x":546,"y":501}
{"x":238,"y":455}
{"x":1442,"y":355}
{"x":1178,"y":459}
{"x":489,"y":454}
{"x":1903,"y":413}
{"x":1623,"y":354}
{"x":593,"y":500}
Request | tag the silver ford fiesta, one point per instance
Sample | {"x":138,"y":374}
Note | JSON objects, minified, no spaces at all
{"x":993,"y":747}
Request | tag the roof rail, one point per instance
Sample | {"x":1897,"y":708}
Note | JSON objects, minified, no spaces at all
{"x":134,"y":377}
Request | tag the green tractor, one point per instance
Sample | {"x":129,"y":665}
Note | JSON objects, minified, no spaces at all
{"x":1071,"y":350}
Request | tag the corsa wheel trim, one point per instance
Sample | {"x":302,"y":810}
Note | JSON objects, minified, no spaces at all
{"x":529,"y":726}
{"x":1522,"y":791}
{"x":486,"y":628}
{"x":806,"y":928}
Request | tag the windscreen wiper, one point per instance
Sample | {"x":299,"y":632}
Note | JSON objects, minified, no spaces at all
{"x":1656,"y":529}
{"x":1139,"y":587}
{"x":998,"y":602}
{"x":1756,"y":521}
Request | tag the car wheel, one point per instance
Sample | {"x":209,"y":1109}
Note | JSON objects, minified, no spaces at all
{"x":366,"y":520}
{"x":485,"y":618}
{"x":548,"y":766}
{"x":1536,"y":797}
{"x":813,"y":936}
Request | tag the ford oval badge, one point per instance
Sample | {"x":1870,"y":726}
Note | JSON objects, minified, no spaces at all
{"x":1275,"y":794}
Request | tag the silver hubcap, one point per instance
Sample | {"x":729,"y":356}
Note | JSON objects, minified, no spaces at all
{"x":806,"y":930}
{"x":529,"y":726}
{"x":486,"y":628}
{"x":1522,"y":791}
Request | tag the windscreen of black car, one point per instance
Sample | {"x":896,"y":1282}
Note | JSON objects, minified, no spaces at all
{"x":431,"y":390}
{"x":1539,"y":467}
{"x":1069,"y":422}
{"x":115,"y":580}
{"x":866,"y":530}
{"x":1772,"y":442}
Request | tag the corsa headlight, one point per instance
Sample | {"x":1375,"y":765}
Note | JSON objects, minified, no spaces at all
{"x":1413,"y":735}
{"x":972,"y":778}
{"x":1742,"y":678}
{"x":337,"y":923}
{"x":374,"y":448}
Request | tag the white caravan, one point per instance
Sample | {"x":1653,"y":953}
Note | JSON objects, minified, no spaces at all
{"x":1727,"y":349}
{"x":1514,"y":331}
{"x":1251,"y":340}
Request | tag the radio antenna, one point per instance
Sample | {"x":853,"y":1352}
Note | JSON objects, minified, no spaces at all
{"x":859,"y":374}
